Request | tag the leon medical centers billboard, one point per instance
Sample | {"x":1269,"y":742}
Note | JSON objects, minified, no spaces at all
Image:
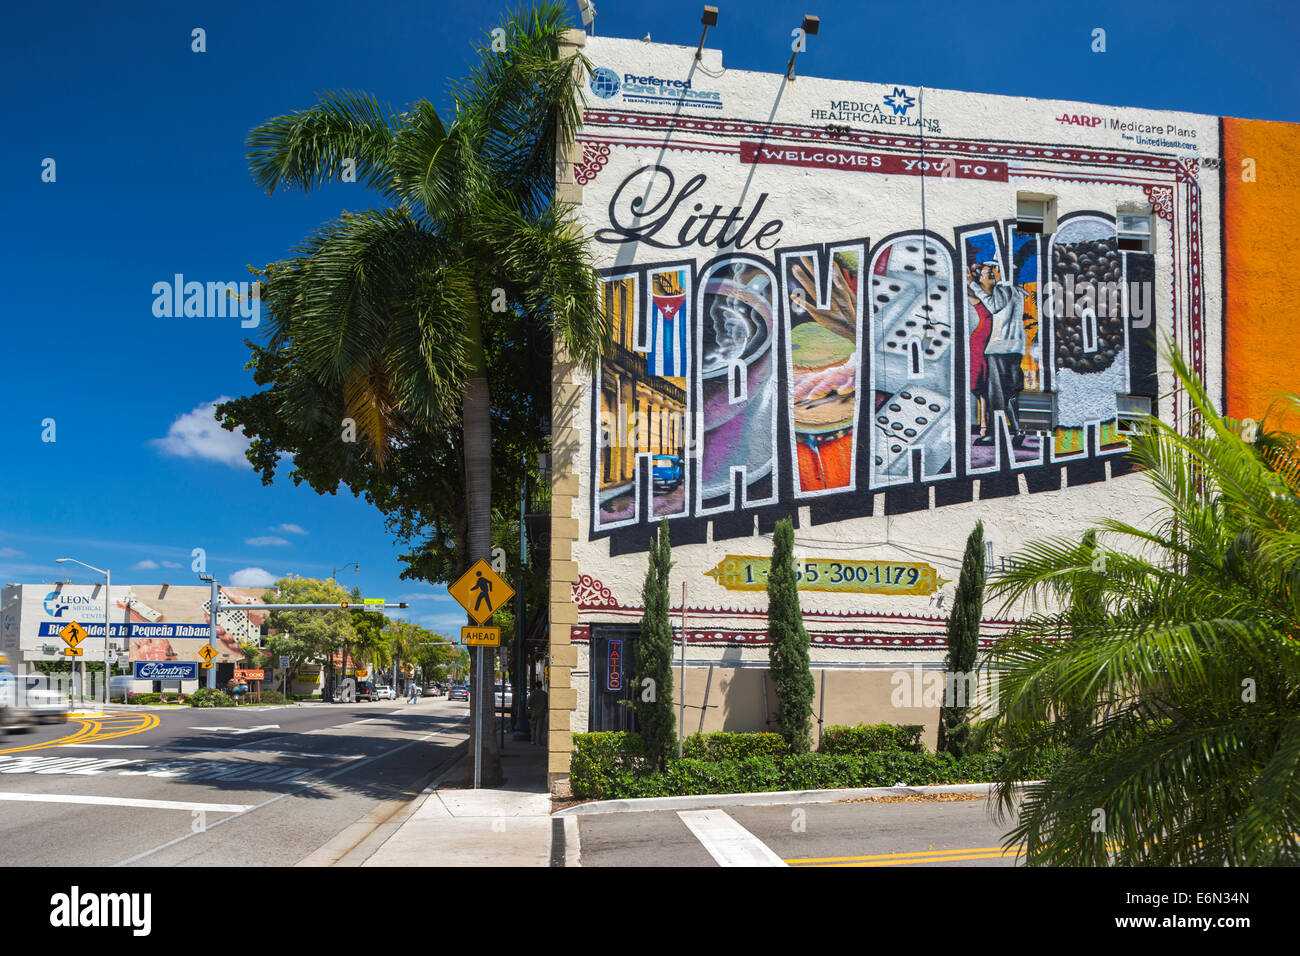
{"x":157,"y":622}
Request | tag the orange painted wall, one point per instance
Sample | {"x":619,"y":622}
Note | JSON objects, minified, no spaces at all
{"x":1262,"y":250}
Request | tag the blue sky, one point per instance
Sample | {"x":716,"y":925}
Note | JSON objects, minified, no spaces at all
{"x":148,"y":138}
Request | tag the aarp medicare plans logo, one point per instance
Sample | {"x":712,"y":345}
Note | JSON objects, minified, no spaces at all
{"x":56,"y":603}
{"x":604,"y":82}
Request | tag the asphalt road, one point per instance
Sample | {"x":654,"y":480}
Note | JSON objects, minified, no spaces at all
{"x":217,"y":786}
{"x":956,"y":832}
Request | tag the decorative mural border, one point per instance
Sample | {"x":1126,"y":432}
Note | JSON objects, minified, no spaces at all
{"x":718,"y":637}
{"x":590,"y":594}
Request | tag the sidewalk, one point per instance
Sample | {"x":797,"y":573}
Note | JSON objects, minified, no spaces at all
{"x":506,"y":826}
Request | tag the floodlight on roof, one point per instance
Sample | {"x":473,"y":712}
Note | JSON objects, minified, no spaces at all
{"x":710,"y":19}
{"x":808,"y":28}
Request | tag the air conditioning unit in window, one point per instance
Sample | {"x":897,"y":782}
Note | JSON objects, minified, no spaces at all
{"x":1134,"y":410}
{"x":1037,"y":411}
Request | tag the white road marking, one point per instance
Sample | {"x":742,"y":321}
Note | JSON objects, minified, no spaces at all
{"x":124,"y":802}
{"x":222,"y":750}
{"x":276,"y":799}
{"x":241,"y":730}
{"x":727,"y":841}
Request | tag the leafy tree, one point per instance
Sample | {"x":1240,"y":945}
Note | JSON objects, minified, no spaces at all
{"x":307,"y":636}
{"x":963,"y":644}
{"x":788,"y":644}
{"x":390,"y":313}
{"x":653,"y":684}
{"x":1181,"y":640}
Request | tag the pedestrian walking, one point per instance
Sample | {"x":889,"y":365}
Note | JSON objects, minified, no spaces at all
{"x":413,"y":692}
{"x":538,"y":709}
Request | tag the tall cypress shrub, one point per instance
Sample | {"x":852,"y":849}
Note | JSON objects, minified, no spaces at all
{"x":788,"y":644}
{"x":963,"y":643}
{"x":653,"y":692}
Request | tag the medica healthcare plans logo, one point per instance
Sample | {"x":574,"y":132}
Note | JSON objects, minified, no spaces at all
{"x":653,"y":90}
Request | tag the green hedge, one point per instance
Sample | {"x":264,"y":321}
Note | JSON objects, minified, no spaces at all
{"x":867,"y":738}
{"x":730,"y":746}
{"x":270,"y":697}
{"x":206,"y":697}
{"x":610,"y":766}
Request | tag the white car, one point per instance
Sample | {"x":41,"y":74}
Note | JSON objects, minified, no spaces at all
{"x":45,"y":706}
{"x":384,"y":692}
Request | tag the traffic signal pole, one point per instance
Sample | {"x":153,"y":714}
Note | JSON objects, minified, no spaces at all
{"x":215,"y":607}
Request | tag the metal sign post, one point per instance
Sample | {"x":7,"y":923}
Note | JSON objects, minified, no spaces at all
{"x":481,"y":592}
{"x":478,"y":721}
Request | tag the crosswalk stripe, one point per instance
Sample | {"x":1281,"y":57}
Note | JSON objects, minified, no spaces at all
{"x":727,"y":841}
{"x":123,"y":802}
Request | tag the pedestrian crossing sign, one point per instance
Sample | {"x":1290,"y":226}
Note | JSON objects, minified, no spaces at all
{"x":481,"y":591}
{"x":207,"y":652}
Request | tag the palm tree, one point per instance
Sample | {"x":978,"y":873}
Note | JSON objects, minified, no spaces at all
{"x":393,"y":306}
{"x":1164,"y":670}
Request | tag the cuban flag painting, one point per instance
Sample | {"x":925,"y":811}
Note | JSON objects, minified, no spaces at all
{"x":667,"y":357}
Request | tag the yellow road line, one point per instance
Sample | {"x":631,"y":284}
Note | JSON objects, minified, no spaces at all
{"x":899,"y":859}
{"x":92,"y":729}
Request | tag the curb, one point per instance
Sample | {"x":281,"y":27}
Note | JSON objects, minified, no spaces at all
{"x":648,"y":804}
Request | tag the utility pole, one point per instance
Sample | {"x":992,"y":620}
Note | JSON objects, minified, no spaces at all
{"x":521,"y":661}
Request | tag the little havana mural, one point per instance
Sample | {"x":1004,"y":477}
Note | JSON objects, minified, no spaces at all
{"x":910,"y":365}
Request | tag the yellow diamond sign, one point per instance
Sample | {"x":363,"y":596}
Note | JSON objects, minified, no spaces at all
{"x":481,"y":591}
{"x":207,"y":652}
{"x":73,"y":634}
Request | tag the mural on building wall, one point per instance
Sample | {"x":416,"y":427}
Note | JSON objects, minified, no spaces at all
{"x":824,"y":320}
{"x":911,"y":295}
{"x":731,"y":392}
{"x":642,"y":389}
{"x":1004,"y":348}
{"x":737,"y":384}
{"x":1090,"y":359}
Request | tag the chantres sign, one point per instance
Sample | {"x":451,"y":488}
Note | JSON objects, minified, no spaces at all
{"x":166,"y":670}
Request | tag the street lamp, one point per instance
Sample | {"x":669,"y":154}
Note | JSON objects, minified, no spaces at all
{"x":108,"y":584}
{"x":334,"y":574}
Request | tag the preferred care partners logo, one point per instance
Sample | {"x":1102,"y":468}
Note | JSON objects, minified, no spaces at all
{"x":654,"y":90}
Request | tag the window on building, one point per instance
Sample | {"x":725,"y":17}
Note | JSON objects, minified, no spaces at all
{"x":1037,"y":411}
{"x":1134,"y":231}
{"x":1134,"y":410}
{"x":1035,"y":213}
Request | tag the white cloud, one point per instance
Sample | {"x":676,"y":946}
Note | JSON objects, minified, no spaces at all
{"x":252,"y":578}
{"x":426,"y":596}
{"x":10,"y":553}
{"x":289,"y":528}
{"x":265,"y":541}
{"x":144,"y":566}
{"x":170,"y":564}
{"x":196,"y":434}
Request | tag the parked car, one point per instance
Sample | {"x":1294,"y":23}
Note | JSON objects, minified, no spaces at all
{"x":509,"y":693}
{"x":384,"y":692}
{"x":459,"y":692}
{"x":364,"y":690}
{"x":668,"y":471}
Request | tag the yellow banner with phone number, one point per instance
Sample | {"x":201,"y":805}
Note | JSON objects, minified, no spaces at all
{"x":737,"y":572}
